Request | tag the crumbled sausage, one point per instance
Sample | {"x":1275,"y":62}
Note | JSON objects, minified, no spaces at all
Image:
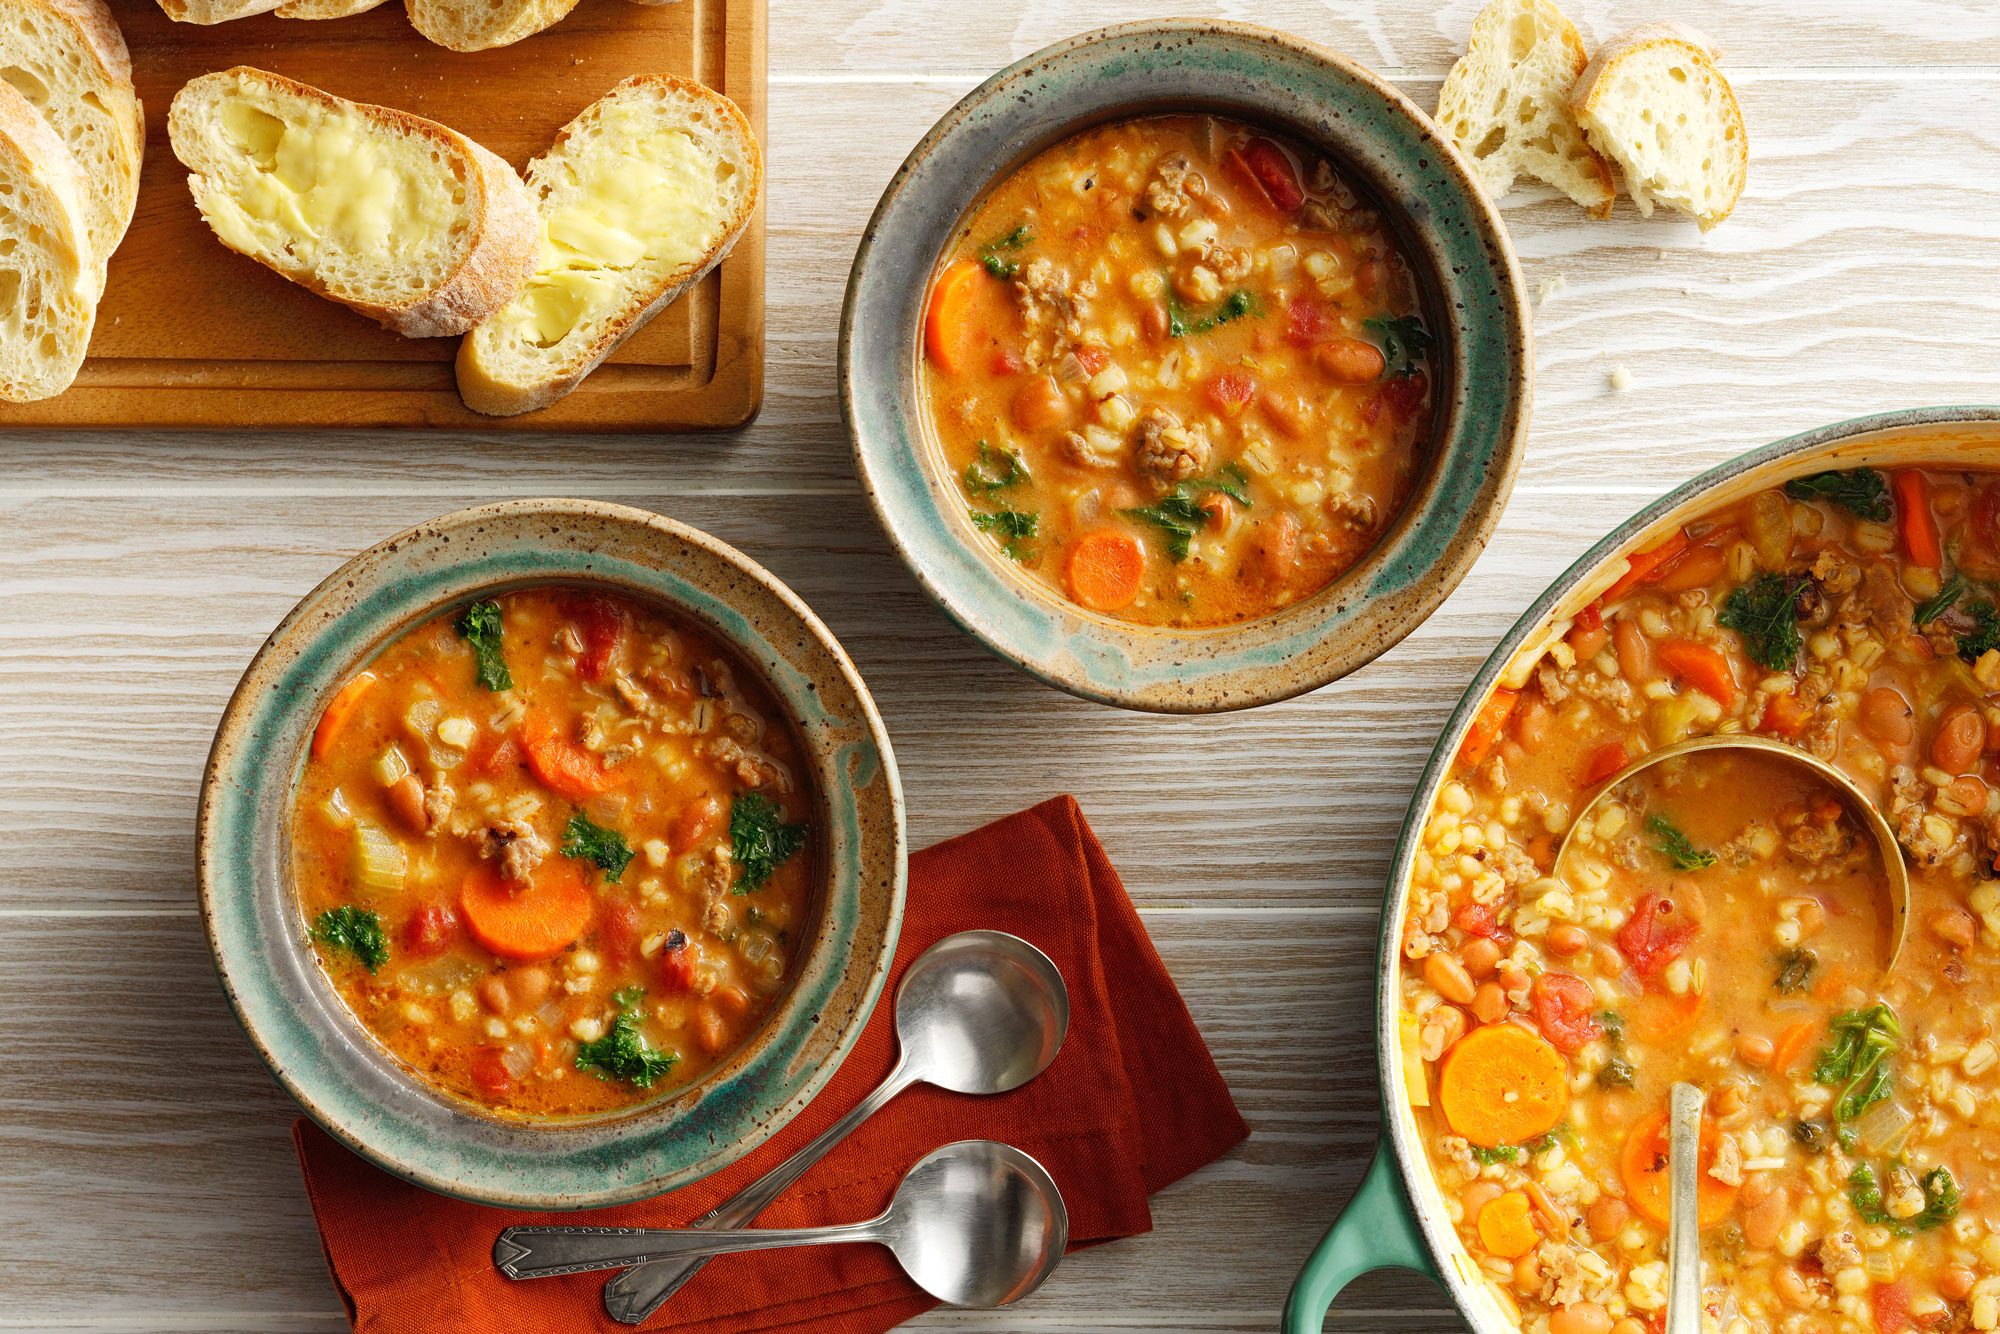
{"x":517,"y":848}
{"x":1167,"y":451}
{"x":1167,"y":193}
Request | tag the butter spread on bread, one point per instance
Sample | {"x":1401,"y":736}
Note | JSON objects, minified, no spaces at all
{"x":640,"y":195}
{"x":403,"y":219}
{"x":68,"y":59}
{"x":49,"y":277}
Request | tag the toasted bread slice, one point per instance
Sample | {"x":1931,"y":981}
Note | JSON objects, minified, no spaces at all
{"x":68,"y":59}
{"x":1506,"y":104}
{"x":325,"y":9}
{"x":640,"y":195}
{"x":407,"y":221}
{"x":215,"y":11}
{"x":1654,"y":102}
{"x":49,"y":279}
{"x":477,"y":25}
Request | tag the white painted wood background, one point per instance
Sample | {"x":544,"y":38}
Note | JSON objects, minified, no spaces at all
{"x":146,"y":1176}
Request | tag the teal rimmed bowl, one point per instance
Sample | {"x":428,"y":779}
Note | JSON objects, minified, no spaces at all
{"x":351,"y":1085}
{"x":1457,"y":243}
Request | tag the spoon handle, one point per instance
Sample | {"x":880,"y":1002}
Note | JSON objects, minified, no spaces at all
{"x":1684,"y":1210}
{"x":634,"y":1295}
{"x":545,"y":1252}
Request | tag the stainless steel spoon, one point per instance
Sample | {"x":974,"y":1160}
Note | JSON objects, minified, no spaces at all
{"x":976,"y":1223}
{"x":978,"y":1012}
{"x":1684,"y":1210}
{"x":1896,"y":875}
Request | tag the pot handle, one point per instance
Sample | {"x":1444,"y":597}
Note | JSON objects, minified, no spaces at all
{"x":1377,"y":1230}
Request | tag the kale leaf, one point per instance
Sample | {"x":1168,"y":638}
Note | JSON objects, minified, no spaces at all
{"x":623,"y":1052}
{"x":1234,"y":307}
{"x":989,"y":254}
{"x":1013,"y":527}
{"x":1765,"y":612}
{"x":1941,"y":601}
{"x":1984,"y":634}
{"x":588,"y":841}
{"x":356,"y":930}
{"x":1403,"y":340}
{"x":1179,"y":516}
{"x":995,"y":470}
{"x":760,"y":839}
{"x":1858,"y":1058}
{"x":1795,"y":969}
{"x":1862,"y":492}
{"x":1676,"y":847}
{"x":479,"y":626}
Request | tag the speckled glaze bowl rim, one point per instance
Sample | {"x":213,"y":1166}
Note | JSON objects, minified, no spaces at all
{"x":288,"y":1009}
{"x":1845,"y":443}
{"x":1454,"y":506}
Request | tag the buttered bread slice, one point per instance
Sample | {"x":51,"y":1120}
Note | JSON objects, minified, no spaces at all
{"x":640,"y":196}
{"x":68,"y":59}
{"x":49,"y":278}
{"x":403,"y":219}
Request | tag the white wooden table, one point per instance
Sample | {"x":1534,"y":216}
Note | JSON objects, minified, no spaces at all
{"x":146,"y":1174}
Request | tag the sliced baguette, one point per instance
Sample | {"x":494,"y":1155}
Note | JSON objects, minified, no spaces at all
{"x":215,"y":11}
{"x":68,"y":59}
{"x":478,"y":25}
{"x":1506,"y":104}
{"x":325,"y":9}
{"x":403,"y":219}
{"x":640,"y":196}
{"x":49,"y":279}
{"x":1654,"y":102}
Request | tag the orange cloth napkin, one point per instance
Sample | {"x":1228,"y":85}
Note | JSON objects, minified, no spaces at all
{"x":1132,"y":1103}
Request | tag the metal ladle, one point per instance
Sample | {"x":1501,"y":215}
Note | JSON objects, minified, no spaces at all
{"x":1851,"y":795}
{"x":979,"y":1012}
{"x":976,"y":1223}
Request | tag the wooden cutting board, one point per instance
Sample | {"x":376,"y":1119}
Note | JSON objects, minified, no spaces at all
{"x":193,"y":335}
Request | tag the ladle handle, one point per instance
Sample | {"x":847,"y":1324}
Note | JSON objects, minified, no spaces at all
{"x":1684,"y":1210}
{"x":634,"y":1295}
{"x":546,"y":1252}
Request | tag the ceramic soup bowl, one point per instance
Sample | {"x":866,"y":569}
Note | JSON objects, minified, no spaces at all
{"x":346,"y":1080}
{"x":1457,"y":245}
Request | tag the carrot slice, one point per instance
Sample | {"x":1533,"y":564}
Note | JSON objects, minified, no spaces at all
{"x":1660,"y":1018}
{"x":1104,"y":570}
{"x":948,"y":324}
{"x":1507,"y":1226}
{"x":1502,"y":1084}
{"x":338,"y":710}
{"x":563,"y":766}
{"x":1702,"y":666}
{"x":534,"y":921}
{"x":1487,"y":726}
{"x":1641,"y":566}
{"x":1914,"y":518}
{"x":1643,"y":1165}
{"x":1786,"y":715}
{"x":1791,"y":1045}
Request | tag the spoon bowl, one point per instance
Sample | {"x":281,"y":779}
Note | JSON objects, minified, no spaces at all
{"x":977,"y":1223}
{"x":1895,"y":872}
{"x":981,"y":1012}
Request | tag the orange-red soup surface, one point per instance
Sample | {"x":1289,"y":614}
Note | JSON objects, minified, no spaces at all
{"x":1178,"y":370}
{"x":554,"y":850}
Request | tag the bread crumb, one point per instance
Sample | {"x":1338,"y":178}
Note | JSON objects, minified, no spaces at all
{"x":1621,"y":379}
{"x":1548,"y":287}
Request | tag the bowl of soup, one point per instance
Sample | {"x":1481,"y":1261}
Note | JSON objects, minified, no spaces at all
{"x":1185,"y":365}
{"x":1715,"y":918}
{"x":551,"y":853}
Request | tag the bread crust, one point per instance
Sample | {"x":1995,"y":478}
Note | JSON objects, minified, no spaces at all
{"x":1584,"y":97}
{"x":442,"y":22}
{"x":504,"y":228}
{"x":497,"y":398}
{"x":325,"y":9}
{"x":215,"y":11}
{"x":94,"y":24}
{"x":41,"y":154}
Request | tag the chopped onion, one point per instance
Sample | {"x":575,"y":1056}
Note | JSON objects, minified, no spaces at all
{"x":1883,"y":1127}
{"x":447,"y":974}
{"x":518,"y":1059}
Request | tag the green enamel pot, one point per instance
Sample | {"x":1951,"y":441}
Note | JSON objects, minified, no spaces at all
{"x":349,"y":1083}
{"x":1397,"y":1218}
{"x":1473,"y":294}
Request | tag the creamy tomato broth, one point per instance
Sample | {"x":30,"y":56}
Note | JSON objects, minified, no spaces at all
{"x":555,"y":850}
{"x":1722,"y":919}
{"x":1178,"y":370}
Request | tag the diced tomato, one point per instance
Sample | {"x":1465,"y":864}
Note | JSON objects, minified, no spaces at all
{"x":695,"y":822}
{"x":1092,"y":359}
{"x":1270,"y":169}
{"x":601,"y":624}
{"x":1230,"y":390}
{"x":1006,"y":361}
{"x":618,"y":931}
{"x":1655,"y":934}
{"x":1786,"y":715}
{"x":1476,"y":919}
{"x":430,"y":930}
{"x":1605,"y":761}
{"x":1307,"y":321}
{"x":505,"y":755}
{"x":1891,"y":1303}
{"x":489,"y":1074}
{"x":677,"y":963}
{"x":1403,"y":395}
{"x":1562,"y":1003}
{"x":1590,"y":619}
